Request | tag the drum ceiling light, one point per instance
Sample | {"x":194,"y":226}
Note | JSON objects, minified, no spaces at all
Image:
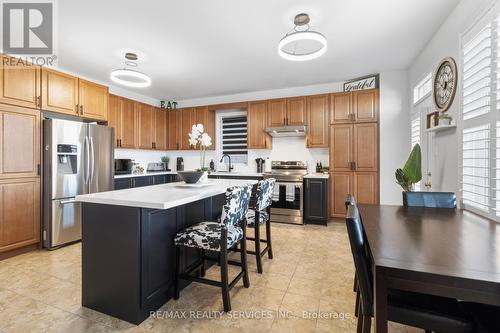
{"x":129,"y":77}
{"x":301,"y":43}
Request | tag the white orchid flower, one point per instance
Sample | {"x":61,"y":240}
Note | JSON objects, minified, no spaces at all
{"x":206,"y":140}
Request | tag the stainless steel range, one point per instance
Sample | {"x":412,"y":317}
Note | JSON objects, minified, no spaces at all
{"x":287,"y":204}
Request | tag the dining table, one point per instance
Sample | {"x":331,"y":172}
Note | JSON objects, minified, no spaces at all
{"x":438,"y":251}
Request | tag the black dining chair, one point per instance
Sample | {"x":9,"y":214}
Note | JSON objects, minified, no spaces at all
{"x":350,"y":200}
{"x":431,"y":313}
{"x":430,"y":199}
{"x":486,"y":318}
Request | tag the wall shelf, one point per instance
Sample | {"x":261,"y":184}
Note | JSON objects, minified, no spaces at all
{"x":440,"y":128}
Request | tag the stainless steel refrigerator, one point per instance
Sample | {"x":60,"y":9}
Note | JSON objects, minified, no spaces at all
{"x":77,"y":159}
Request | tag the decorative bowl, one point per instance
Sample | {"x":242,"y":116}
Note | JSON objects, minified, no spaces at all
{"x":190,"y":177}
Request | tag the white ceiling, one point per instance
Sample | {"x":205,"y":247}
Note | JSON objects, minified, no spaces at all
{"x":219,"y":47}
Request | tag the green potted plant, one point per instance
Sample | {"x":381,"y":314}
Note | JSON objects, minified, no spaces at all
{"x":411,"y":173}
{"x":165,"y":159}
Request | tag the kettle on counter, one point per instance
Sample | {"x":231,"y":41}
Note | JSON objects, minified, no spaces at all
{"x":260,"y":164}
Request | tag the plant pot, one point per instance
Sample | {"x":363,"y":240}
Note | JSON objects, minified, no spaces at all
{"x":445,"y":121}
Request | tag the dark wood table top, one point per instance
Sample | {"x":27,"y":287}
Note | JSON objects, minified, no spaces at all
{"x":449,"y":242}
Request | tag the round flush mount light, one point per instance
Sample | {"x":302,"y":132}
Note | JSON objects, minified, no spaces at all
{"x":301,"y":43}
{"x":129,"y":77}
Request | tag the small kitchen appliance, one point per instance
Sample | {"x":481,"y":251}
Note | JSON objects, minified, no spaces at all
{"x":123,"y":166}
{"x":180,"y":164}
{"x":155,"y":167}
{"x":260,"y":164}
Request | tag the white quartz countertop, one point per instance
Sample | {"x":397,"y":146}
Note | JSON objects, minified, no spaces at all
{"x":220,"y":173}
{"x":317,"y":175}
{"x":162,"y":196}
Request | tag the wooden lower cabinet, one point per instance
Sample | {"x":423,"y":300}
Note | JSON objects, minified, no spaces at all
{"x":19,"y":213}
{"x":363,"y":185}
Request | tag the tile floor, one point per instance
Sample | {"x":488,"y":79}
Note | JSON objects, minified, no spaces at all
{"x":312,"y":272}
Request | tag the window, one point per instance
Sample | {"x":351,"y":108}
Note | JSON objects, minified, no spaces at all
{"x":480,"y":151}
{"x":415,"y":136}
{"x":422,"y":89}
{"x":234,"y":138}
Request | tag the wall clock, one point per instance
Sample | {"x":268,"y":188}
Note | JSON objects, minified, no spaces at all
{"x":445,"y":84}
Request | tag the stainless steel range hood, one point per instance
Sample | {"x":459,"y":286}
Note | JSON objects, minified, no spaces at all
{"x":284,"y":131}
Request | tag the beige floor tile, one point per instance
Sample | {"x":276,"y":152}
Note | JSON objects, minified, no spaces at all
{"x":305,"y":287}
{"x":292,"y":325}
{"x":299,"y":306}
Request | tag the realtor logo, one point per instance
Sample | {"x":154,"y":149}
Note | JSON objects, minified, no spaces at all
{"x":27,"y":28}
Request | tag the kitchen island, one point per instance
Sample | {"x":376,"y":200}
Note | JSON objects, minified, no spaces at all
{"x":128,"y":261}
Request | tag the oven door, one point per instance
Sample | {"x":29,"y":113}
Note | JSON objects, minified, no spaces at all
{"x":288,"y":206}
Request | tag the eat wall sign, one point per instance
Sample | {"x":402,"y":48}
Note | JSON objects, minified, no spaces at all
{"x":362,"y":83}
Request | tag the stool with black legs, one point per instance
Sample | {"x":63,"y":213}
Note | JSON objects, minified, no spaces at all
{"x":262,"y":213}
{"x":218,"y":236}
{"x":350,"y":201}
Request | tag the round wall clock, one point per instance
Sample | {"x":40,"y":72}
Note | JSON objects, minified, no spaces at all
{"x":445,"y":84}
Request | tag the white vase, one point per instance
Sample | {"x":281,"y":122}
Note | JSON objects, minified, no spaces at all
{"x":445,"y":121}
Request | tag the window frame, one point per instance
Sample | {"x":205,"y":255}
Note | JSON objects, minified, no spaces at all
{"x":421,"y":83}
{"x":219,"y":115}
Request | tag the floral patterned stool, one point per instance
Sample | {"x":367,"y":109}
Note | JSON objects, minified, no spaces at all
{"x":219,"y":237}
{"x":262,"y":213}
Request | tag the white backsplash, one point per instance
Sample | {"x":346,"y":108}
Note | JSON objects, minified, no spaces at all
{"x":284,"y":149}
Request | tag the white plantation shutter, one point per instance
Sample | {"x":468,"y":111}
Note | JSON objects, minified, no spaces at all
{"x":480,"y":152}
{"x":234,"y":138}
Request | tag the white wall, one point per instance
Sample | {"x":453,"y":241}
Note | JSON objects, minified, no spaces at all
{"x":394,"y":132}
{"x":443,"y":147}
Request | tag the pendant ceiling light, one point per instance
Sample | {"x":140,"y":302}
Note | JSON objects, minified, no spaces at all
{"x":129,"y":77}
{"x":301,"y":43}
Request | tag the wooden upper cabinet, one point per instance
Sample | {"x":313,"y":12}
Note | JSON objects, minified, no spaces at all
{"x":19,"y":142}
{"x":19,"y":83}
{"x":317,"y":121}
{"x":206,"y":117}
{"x":114,"y":117}
{"x":188,"y":119}
{"x":365,"y":104}
{"x":365,"y":142}
{"x":59,"y":92}
{"x":160,"y":129}
{"x":341,"y":150}
{"x":128,"y":124}
{"x":19,"y":213}
{"x":145,"y":126}
{"x":277,"y":112}
{"x":257,"y":120}
{"x":93,"y":100}
{"x":174,"y":129}
{"x":341,"y":108}
{"x":296,"y":111}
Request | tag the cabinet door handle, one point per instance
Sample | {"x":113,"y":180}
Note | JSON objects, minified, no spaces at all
{"x":77,"y":108}
{"x":353,"y":166}
{"x":81,"y":110}
{"x":39,"y":101}
{"x":118,"y":142}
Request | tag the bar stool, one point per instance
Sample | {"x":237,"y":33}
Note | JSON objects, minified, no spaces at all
{"x":218,"y":236}
{"x":262,"y":213}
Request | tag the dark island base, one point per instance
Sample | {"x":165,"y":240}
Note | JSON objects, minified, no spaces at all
{"x":128,"y":255}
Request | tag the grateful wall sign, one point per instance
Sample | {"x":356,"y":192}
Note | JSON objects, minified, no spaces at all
{"x":362,"y":83}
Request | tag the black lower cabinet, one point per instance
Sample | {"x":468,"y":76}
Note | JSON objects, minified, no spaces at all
{"x":140,"y":181}
{"x":128,"y":262}
{"x":316,"y":201}
{"x":122,"y":183}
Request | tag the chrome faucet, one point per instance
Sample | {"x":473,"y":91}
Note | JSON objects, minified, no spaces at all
{"x":229,"y":158}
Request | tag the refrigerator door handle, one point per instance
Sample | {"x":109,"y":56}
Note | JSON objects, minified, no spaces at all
{"x":87,"y":160}
{"x":92,"y":153}
{"x":69,"y":201}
